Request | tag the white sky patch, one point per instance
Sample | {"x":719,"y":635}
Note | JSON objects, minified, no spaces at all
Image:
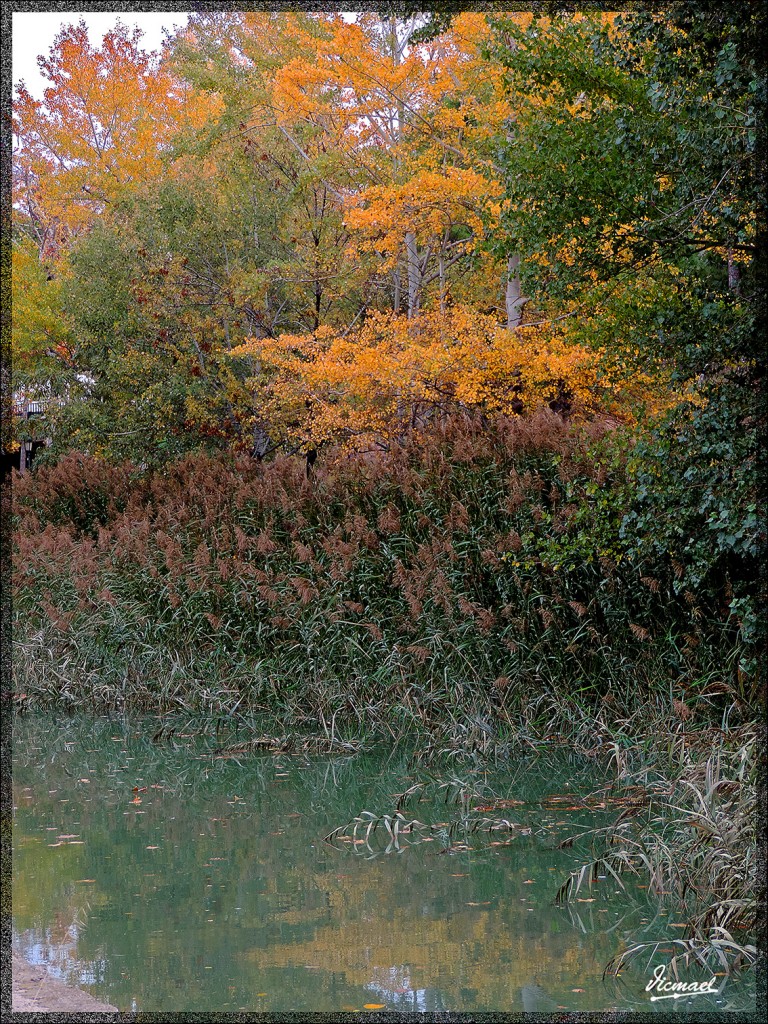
{"x":33,"y":35}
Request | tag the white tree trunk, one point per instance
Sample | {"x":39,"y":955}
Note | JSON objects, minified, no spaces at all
{"x":414,"y":273}
{"x":514,"y":300}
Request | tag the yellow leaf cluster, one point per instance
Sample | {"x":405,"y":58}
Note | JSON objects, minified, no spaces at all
{"x":393,"y":371}
{"x":106,"y":120}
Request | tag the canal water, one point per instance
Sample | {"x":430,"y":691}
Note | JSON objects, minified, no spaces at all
{"x":169,"y":876}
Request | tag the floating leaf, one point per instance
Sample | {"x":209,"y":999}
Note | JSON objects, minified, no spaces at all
{"x":374,"y":1006}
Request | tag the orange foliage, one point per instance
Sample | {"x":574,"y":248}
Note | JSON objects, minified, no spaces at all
{"x":394,"y":371}
{"x":414,"y":128}
{"x":107,"y":116}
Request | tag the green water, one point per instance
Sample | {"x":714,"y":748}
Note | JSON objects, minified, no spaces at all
{"x":164,"y":877}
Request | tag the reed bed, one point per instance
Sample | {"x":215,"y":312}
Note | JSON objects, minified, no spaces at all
{"x":456,"y":578}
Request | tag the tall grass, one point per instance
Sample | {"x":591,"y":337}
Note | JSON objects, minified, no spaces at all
{"x":695,"y":844}
{"x":451,"y":579}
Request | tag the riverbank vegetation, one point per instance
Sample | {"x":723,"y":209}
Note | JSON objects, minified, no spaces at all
{"x":411,"y":386}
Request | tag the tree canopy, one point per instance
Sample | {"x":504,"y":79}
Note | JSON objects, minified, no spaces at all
{"x":293,"y":227}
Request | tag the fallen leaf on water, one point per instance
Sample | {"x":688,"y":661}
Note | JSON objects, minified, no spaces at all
{"x":673,"y":924}
{"x":462,"y":875}
{"x":577,"y":990}
{"x":529,"y":881}
{"x":485,"y":903}
{"x":136,"y":789}
{"x":152,"y":847}
{"x":73,"y":836}
{"x":261,"y":994}
{"x":83,"y":780}
{"x":136,"y":800}
{"x":374,"y":1006}
{"x":55,"y":844}
{"x":83,"y":881}
{"x":591,"y":899}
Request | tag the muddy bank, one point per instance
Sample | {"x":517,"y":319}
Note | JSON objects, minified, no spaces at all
{"x":35,"y":991}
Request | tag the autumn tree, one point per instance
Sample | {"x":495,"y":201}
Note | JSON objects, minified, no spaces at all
{"x":106,"y":117}
{"x":293,"y":169}
{"x":415,"y":126}
{"x":631,"y":162}
{"x":147,"y":249}
{"x":373,"y":385}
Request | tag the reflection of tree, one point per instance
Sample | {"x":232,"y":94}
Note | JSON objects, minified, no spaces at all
{"x":394,"y":985}
{"x":247,"y":888}
{"x":535,"y":999}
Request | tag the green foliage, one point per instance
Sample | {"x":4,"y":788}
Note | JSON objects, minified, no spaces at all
{"x":623,"y":148}
{"x":634,"y":202}
{"x":699,"y":482}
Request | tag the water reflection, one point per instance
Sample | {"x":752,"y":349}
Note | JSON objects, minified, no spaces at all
{"x":169,"y":878}
{"x":535,"y":999}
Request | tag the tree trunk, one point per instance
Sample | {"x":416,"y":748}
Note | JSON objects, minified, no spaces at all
{"x":514,"y":300}
{"x":414,"y":273}
{"x":733,"y":273}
